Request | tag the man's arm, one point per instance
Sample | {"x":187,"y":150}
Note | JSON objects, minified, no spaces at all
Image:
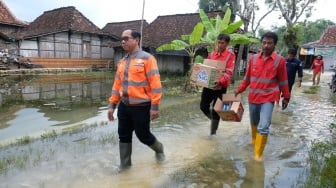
{"x":229,"y":68}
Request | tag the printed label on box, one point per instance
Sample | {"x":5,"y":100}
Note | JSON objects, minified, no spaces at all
{"x":202,"y":76}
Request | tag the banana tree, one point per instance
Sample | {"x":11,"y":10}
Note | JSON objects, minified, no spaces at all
{"x":218,"y":25}
{"x":189,"y":43}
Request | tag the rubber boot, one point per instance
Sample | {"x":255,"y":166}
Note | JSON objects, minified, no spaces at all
{"x":158,"y":148}
{"x":125,"y":150}
{"x":253,"y":133}
{"x":259,"y":146}
{"x":214,"y":126}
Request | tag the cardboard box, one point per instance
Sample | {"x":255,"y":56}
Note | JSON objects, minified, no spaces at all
{"x":235,"y":110}
{"x":206,"y":74}
{"x":215,"y":63}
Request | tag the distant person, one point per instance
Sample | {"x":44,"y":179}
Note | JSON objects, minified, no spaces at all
{"x":137,"y":92}
{"x":318,"y":68}
{"x":293,"y":66}
{"x":209,"y":96}
{"x":266,"y":78}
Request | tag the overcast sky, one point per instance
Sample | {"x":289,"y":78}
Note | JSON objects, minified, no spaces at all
{"x":101,"y":12}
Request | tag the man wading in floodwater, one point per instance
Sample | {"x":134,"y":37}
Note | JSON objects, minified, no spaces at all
{"x":137,"y":90}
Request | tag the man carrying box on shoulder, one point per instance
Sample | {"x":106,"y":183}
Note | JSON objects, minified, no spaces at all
{"x":266,"y":77}
{"x":209,"y":96}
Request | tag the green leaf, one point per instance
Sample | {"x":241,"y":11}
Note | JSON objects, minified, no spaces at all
{"x":241,"y":39}
{"x":185,"y":37}
{"x":196,"y":35}
{"x":165,"y":47}
{"x":179,"y":44}
{"x":206,"y":21}
{"x":227,"y":17}
{"x":233,"y":27}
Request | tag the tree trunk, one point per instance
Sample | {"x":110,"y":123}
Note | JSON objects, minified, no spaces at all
{"x":237,"y":63}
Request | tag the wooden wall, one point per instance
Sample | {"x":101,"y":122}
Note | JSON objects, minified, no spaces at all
{"x":72,"y":63}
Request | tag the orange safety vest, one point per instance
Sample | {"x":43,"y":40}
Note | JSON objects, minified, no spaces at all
{"x":137,"y":81}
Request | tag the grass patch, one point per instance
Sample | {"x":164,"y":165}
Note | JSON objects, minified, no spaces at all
{"x":322,"y":163}
{"x":49,"y":135}
{"x":311,"y":90}
{"x":24,"y":140}
{"x":108,"y":139}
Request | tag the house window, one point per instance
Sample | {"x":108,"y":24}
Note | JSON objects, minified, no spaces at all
{"x":86,"y":49}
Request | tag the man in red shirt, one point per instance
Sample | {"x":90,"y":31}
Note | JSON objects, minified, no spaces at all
{"x":266,"y":78}
{"x":210,"y":95}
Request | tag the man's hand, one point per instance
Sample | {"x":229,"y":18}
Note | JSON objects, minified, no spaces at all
{"x":217,"y":86}
{"x":285,"y":103}
{"x":236,"y":93}
{"x":154,"y":114}
{"x":110,"y":114}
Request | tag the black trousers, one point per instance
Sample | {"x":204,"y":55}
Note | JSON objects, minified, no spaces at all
{"x":137,"y":119}
{"x":210,"y":96}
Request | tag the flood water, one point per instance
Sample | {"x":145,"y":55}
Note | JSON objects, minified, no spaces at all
{"x":85,"y":151}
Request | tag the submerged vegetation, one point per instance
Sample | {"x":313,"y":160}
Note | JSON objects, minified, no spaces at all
{"x":322,"y":163}
{"x":311,"y":90}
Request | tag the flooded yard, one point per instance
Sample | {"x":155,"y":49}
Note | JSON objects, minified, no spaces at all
{"x":70,"y":143}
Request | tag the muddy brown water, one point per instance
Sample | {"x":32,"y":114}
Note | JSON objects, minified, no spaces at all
{"x":89,"y":157}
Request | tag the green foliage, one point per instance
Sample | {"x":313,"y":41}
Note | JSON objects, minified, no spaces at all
{"x":305,"y":32}
{"x":214,"y":27}
{"x":174,"y":45}
{"x":199,"y":59}
{"x":219,"y":5}
{"x":314,"y":30}
{"x":24,"y":140}
{"x":49,"y":135}
{"x":311,"y":90}
{"x":322,"y":161}
{"x":196,"y":35}
{"x":290,"y":37}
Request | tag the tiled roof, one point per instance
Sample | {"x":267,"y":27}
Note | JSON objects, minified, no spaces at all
{"x":58,"y":20}
{"x":164,"y":29}
{"x":328,"y":37}
{"x":6,"y":16}
{"x":116,"y":28}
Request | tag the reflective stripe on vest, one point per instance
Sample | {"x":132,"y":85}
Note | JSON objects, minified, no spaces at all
{"x":265,"y":80}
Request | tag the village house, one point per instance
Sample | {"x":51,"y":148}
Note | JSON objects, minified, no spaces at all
{"x":59,"y":38}
{"x":9,"y":25}
{"x":64,"y":37}
{"x":325,"y":46}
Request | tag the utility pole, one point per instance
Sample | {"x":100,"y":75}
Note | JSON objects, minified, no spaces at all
{"x":142,"y":20}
